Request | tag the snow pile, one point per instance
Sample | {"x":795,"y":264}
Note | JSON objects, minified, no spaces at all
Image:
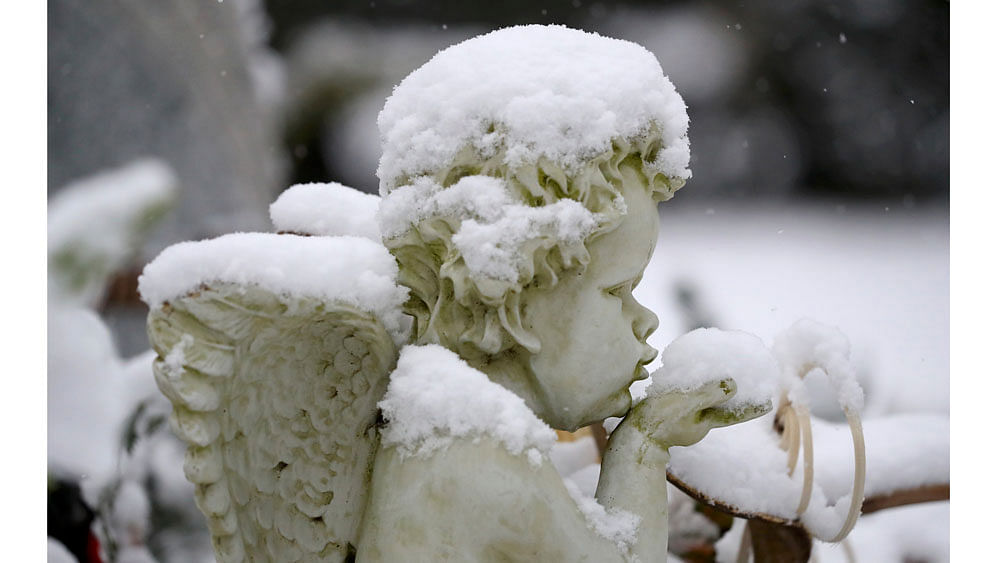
{"x":57,"y":552}
{"x":587,"y":479}
{"x":130,"y":516}
{"x":326,"y":209}
{"x":478,"y":198}
{"x":807,"y":345}
{"x":616,"y":525}
{"x":116,"y":197}
{"x":705,"y":355}
{"x":493,"y":226}
{"x":495,"y":250}
{"x":741,"y":466}
{"x":530,"y":92}
{"x":174,"y":362}
{"x":350,"y":270}
{"x":95,"y":225}
{"x":434,"y":397}
{"x":85,"y":407}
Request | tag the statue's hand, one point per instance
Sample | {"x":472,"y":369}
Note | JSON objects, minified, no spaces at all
{"x":681,"y":418}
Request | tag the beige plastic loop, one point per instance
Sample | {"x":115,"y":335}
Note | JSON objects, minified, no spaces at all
{"x":858,"y":490}
{"x":802,"y":413}
{"x":796,"y":432}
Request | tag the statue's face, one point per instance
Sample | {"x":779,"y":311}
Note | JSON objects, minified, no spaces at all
{"x":592,"y":331}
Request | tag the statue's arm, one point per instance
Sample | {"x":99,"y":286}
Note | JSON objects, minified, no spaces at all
{"x":633,"y":478}
{"x":633,"y":472}
{"x":475,"y":501}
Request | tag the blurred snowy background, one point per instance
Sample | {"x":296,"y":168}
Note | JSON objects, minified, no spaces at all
{"x":820,"y":142}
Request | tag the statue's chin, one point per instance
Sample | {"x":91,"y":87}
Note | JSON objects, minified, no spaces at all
{"x":622,"y":403}
{"x":615,"y":405}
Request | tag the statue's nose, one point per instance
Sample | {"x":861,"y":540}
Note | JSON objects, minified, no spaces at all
{"x":644,"y":322}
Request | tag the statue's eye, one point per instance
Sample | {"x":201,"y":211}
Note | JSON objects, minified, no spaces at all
{"x":624,"y":288}
{"x":620,"y":290}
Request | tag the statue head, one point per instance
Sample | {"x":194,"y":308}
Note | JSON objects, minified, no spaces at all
{"x":520,"y":176}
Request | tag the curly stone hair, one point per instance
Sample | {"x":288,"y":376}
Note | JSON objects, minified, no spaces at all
{"x":479,"y":316}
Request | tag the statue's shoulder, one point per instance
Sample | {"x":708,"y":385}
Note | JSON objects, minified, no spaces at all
{"x":464,"y":473}
{"x":436,"y":399}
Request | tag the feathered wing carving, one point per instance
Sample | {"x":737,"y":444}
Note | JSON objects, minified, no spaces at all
{"x":276,"y":398}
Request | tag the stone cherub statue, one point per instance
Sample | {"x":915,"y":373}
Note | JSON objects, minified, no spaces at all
{"x":343,"y":402}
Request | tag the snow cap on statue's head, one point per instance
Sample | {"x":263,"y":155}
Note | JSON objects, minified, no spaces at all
{"x":526,"y":93}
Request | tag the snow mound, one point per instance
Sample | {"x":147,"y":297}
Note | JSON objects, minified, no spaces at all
{"x":479,"y":198}
{"x":57,"y":552}
{"x":709,"y":354}
{"x":84,"y":393}
{"x":530,"y":92}
{"x":326,"y":210}
{"x":350,"y":270}
{"x":434,"y":397}
{"x":495,"y":250}
{"x":743,"y":466}
{"x":95,"y":225}
{"x":809,"y":344}
{"x":116,"y":197}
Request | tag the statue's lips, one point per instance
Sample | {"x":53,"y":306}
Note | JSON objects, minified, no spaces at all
{"x":623,"y":396}
{"x":640,"y":373}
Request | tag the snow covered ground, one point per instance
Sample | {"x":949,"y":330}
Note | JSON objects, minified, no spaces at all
{"x":879,"y":272}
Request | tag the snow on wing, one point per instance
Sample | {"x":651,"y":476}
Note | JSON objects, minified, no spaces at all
{"x":276,"y":398}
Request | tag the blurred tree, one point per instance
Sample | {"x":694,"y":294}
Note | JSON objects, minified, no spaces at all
{"x":815,"y":97}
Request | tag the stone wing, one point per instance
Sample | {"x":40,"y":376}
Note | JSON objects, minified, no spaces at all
{"x":276,"y":397}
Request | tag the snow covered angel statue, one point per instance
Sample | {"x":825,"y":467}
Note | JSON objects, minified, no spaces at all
{"x":394,"y":399}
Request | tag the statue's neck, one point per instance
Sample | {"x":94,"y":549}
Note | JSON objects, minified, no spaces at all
{"x":508,"y":370}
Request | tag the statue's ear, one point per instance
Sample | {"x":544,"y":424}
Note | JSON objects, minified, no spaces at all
{"x":510,"y":317}
{"x":483,"y":331}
